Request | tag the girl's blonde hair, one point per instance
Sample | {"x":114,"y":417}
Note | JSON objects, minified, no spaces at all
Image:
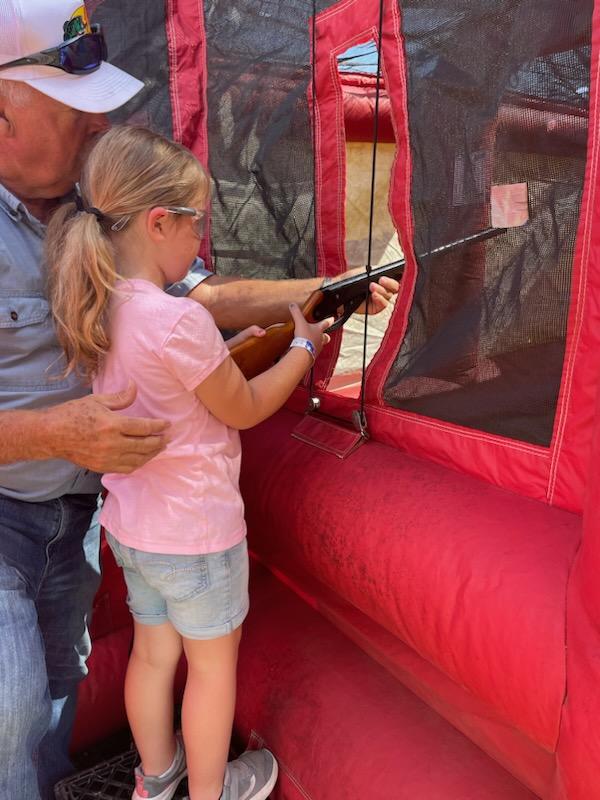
{"x":129,"y":170}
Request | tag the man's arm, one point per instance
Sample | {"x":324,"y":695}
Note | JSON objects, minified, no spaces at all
{"x":84,"y":431}
{"x":236,"y":303}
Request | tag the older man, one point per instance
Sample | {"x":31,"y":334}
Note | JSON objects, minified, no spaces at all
{"x":54,"y":436}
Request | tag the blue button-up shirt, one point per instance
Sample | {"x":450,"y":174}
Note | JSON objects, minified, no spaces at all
{"x":31,"y":360}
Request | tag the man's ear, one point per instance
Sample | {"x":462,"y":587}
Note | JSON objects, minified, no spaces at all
{"x":4,"y":121}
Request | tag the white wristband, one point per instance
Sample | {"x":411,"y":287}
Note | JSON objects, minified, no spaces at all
{"x":306,"y":344}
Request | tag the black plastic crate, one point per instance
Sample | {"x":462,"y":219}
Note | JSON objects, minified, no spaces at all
{"x":109,"y":780}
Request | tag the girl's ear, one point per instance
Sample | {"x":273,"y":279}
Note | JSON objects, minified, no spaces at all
{"x":156,"y":223}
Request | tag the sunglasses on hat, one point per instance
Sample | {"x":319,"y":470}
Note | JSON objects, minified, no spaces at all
{"x":78,"y":56}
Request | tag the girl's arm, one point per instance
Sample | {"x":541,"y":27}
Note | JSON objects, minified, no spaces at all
{"x":242,"y":404}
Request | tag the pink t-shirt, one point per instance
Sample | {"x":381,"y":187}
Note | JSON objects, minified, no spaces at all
{"x":186,"y":500}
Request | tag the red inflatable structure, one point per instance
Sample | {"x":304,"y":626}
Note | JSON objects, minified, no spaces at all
{"x":425,"y":615}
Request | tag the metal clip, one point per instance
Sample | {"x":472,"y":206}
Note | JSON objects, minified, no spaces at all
{"x":360,"y":423}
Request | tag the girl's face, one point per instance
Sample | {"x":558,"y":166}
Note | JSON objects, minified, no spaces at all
{"x":183,"y":234}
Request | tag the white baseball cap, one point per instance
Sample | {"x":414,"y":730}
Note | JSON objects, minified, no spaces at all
{"x":29,"y":26}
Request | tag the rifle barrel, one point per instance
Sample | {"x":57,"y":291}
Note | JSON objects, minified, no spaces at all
{"x":340,"y":292}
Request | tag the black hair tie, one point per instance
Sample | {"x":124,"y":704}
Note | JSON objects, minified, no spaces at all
{"x":88,"y":209}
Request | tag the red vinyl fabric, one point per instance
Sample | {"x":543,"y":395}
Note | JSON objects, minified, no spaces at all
{"x":359,"y":95}
{"x":526,"y":760}
{"x":578,"y":777}
{"x":472,"y":578}
{"x":569,"y":474}
{"x":187,"y":61}
{"x":342,"y":726}
{"x":101,"y":703}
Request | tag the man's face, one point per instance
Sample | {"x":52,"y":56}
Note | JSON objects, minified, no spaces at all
{"x":43,"y":144}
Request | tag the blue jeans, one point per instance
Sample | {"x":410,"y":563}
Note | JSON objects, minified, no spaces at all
{"x":49,"y":574}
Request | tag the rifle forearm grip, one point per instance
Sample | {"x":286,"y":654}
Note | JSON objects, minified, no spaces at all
{"x":256,"y":355}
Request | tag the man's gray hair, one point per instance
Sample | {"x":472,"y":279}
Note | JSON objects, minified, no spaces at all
{"x":15,"y":92}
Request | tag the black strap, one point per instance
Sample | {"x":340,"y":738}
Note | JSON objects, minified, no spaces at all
{"x":360,"y":417}
{"x":88,"y":209}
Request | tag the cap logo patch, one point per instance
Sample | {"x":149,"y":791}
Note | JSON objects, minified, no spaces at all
{"x":77,"y":25}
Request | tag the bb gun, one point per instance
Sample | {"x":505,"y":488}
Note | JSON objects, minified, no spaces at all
{"x":338,"y":300}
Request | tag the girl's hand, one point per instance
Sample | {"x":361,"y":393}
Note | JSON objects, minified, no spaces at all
{"x":314,"y":332}
{"x":247,"y":333}
{"x":242,"y":404}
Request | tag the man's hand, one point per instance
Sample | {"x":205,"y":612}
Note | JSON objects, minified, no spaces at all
{"x":382,"y":293}
{"x":89,"y":433}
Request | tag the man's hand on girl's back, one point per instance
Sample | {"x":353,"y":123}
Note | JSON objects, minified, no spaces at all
{"x":90,"y":433}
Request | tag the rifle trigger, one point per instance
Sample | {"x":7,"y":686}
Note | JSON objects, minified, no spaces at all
{"x":350,"y":307}
{"x":336,"y":325}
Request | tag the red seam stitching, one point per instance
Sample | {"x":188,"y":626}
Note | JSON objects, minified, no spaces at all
{"x":569,"y":367}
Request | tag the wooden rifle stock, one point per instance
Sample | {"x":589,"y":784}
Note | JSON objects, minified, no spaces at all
{"x":256,"y":355}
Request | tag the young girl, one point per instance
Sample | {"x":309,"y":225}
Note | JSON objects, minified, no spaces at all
{"x":177,"y":523}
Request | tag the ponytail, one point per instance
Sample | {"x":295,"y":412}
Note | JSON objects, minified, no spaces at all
{"x":81,"y":278}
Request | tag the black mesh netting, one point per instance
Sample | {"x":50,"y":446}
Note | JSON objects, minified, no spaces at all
{"x":137,"y":42}
{"x":260,"y":141}
{"x":259,"y":134}
{"x":498,"y":94}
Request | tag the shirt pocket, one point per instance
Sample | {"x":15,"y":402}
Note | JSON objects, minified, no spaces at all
{"x":30,"y":355}
{"x":17,"y":312}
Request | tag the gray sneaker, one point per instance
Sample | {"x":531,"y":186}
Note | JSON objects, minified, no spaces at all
{"x":252,"y":776}
{"x":161,"y":787}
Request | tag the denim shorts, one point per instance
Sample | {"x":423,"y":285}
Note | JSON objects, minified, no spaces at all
{"x":202,"y":596}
